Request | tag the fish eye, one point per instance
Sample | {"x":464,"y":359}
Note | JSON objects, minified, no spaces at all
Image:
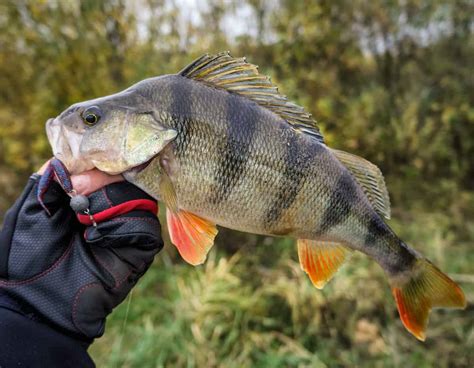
{"x":91,"y":115}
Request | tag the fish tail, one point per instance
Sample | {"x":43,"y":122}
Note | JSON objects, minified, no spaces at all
{"x":421,"y":288}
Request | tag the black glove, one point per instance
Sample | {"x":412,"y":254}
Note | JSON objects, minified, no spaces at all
{"x":60,"y":272}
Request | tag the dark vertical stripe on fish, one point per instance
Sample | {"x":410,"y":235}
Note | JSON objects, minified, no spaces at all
{"x":379,"y":234}
{"x":377,"y":231}
{"x":241,"y":126}
{"x":180,"y":107}
{"x":296,"y":165}
{"x":340,"y":203}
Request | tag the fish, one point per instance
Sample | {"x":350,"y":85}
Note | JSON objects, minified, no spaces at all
{"x":218,"y":144}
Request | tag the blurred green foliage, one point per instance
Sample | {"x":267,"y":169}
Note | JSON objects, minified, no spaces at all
{"x":391,"y":81}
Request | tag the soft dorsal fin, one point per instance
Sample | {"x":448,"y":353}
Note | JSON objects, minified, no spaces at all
{"x":238,"y":76}
{"x":370,"y":179}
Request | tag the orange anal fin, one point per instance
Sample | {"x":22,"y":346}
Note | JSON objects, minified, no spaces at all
{"x":424,"y":288}
{"x":191,"y":234}
{"x":321,"y":259}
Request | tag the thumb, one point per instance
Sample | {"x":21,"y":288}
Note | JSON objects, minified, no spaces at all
{"x":88,"y":182}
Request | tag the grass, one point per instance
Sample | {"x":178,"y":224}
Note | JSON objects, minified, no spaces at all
{"x":254,"y":307}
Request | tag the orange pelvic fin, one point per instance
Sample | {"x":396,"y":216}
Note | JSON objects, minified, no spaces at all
{"x":191,"y":234}
{"x":321,"y":259}
{"x":423,"y":288}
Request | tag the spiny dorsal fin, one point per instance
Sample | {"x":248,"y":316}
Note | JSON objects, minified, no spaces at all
{"x":370,"y":179}
{"x":238,"y":76}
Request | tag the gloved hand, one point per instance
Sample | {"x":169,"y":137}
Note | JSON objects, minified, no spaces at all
{"x":70,"y":275}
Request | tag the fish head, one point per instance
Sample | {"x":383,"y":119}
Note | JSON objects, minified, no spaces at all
{"x":113,"y":134}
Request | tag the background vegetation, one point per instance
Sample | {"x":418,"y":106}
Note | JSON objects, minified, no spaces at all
{"x":389,"y":80}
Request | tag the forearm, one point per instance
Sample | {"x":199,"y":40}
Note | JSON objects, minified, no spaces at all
{"x":28,"y":343}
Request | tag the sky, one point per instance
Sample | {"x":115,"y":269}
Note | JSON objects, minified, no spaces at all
{"x":239,"y":22}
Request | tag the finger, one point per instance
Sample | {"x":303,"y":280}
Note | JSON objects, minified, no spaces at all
{"x":92,"y":180}
{"x":43,"y":168}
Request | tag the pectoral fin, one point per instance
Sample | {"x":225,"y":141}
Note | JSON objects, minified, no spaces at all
{"x":321,"y":259}
{"x":191,"y":234}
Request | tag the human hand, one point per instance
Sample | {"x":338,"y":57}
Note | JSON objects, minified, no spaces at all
{"x":71,"y":275}
{"x":92,"y":180}
{"x":88,"y":181}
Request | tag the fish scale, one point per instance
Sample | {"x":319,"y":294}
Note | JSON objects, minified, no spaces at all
{"x":219,"y":145}
{"x":203,"y":160}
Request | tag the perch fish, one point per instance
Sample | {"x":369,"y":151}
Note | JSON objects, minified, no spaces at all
{"x":219,"y":145}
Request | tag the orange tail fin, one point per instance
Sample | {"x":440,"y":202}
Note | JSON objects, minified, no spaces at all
{"x":425,"y":287}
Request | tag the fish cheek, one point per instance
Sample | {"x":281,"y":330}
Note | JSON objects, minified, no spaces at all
{"x":124,"y":141}
{"x":102,"y":144}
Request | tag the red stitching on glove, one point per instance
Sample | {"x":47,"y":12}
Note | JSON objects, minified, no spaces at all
{"x":76,"y":300}
{"x":104,"y":192}
{"x":5,"y":283}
